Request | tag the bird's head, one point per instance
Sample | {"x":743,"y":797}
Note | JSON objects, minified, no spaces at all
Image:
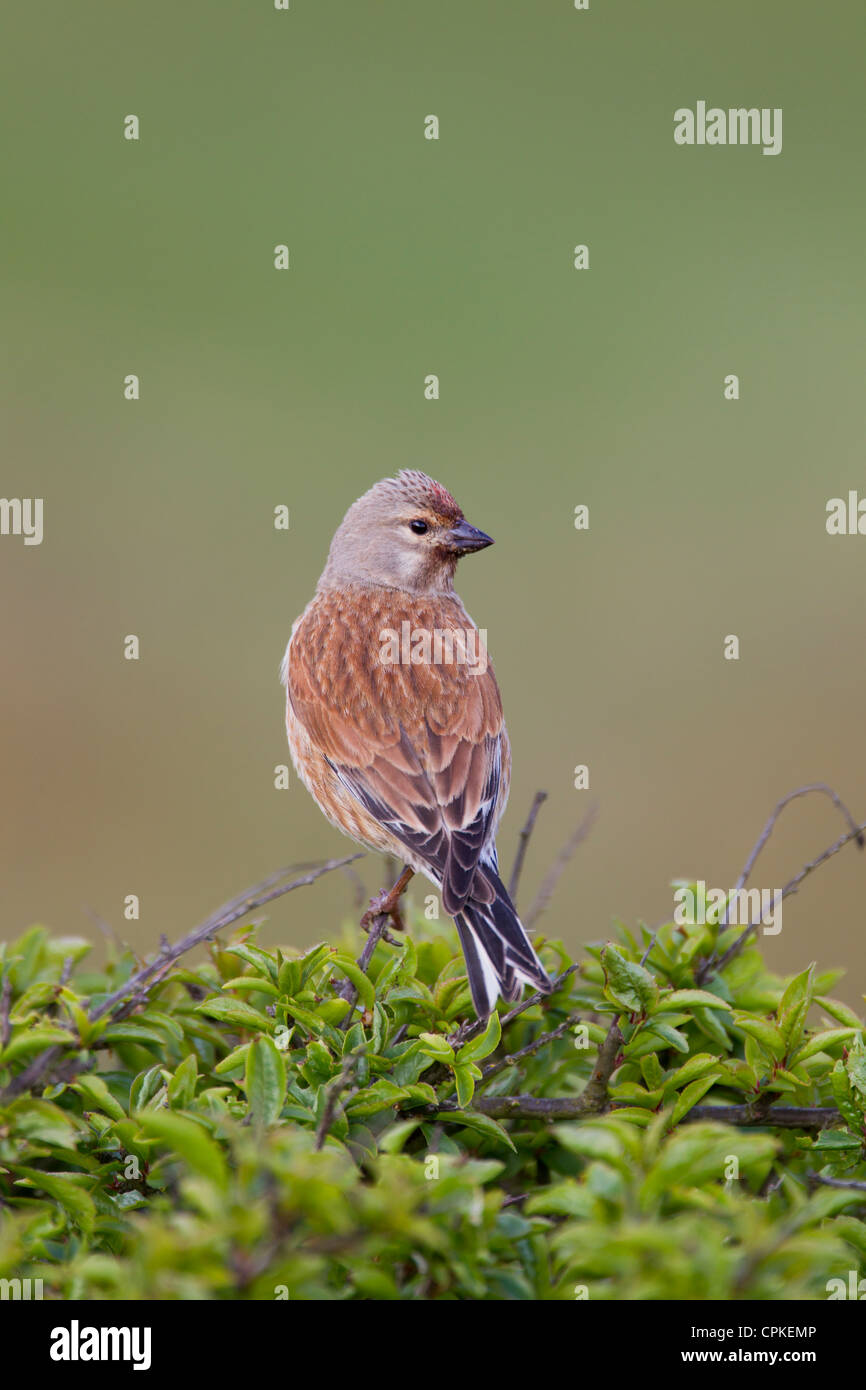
{"x":407,"y":533}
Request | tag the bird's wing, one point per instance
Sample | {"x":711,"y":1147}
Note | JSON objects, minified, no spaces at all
{"x":419,"y":746}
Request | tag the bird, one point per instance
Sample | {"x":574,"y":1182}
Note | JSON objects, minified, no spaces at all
{"x":402,"y":752}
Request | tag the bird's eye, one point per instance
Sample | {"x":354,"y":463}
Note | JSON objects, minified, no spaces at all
{"x":419,"y":527}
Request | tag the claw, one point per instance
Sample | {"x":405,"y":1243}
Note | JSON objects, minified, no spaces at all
{"x":387,"y":904}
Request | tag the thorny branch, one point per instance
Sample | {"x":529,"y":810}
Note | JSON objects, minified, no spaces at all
{"x":135,"y":989}
{"x":264,"y":892}
{"x":715,"y":967}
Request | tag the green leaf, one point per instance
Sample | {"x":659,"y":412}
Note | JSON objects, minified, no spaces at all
{"x":131,"y":1032}
{"x":595,"y":1140}
{"x":181,"y":1088}
{"x":96,"y":1094}
{"x":483,"y":1124}
{"x":836,"y":1140}
{"x":289,"y":978}
{"x":236,"y":1012}
{"x":144,"y":1087}
{"x":312,"y":1022}
{"x":692,"y":1094}
{"x":236,"y":1060}
{"x":672,"y":1036}
{"x":364,"y":986}
{"x":794,"y":1006}
{"x":856,"y":1067}
{"x":319,"y":1066}
{"x":383,"y":1095}
{"x":42,"y":1122}
{"x":392,"y":1139}
{"x":465,"y":1085}
{"x":482,"y":1046}
{"x":699,"y":1153}
{"x":77,"y":1203}
{"x":86,"y":1028}
{"x":420,"y":1093}
{"x":687,"y":998}
{"x":841,"y":1012}
{"x":331,"y":1011}
{"x":822,"y":1042}
{"x":710,"y":1024}
{"x":765,"y":1034}
{"x":189,"y":1140}
{"x":627,"y":983}
{"x":639,"y":1095}
{"x":409,"y":963}
{"x":260,"y":960}
{"x":252,"y":984}
{"x":32,"y":1040}
{"x":698,"y":1065}
{"x":651,"y":1070}
{"x":265,"y":1081}
{"x":437,"y":1047}
{"x":157,"y":1018}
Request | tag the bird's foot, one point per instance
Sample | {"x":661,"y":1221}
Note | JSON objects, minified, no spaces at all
{"x":387,"y":904}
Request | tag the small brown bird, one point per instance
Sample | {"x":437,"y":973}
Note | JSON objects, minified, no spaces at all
{"x":395,"y":720}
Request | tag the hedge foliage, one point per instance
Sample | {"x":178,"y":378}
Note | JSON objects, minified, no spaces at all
{"x":231,"y":1137}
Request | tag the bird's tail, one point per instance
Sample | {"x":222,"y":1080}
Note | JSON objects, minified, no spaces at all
{"x":499,"y":956}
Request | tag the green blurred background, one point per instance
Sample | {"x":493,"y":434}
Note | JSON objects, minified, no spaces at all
{"x":557,"y":387}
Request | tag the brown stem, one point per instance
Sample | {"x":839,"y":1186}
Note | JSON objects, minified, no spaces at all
{"x":523,"y":843}
{"x":377,"y":932}
{"x":137,"y":986}
{"x":572,"y":1107}
{"x":541,"y":1041}
{"x":713,"y":966}
{"x":557,"y":868}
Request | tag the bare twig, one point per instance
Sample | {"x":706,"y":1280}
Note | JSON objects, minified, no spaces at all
{"x":571,"y":1107}
{"x":713,"y":966}
{"x":594,"y":1094}
{"x":137,"y":986}
{"x":556,"y":870}
{"x":224,"y":916}
{"x":5,"y":1002}
{"x":541,"y":1041}
{"x":357,"y":885}
{"x":347,"y":990}
{"x":376,"y":932}
{"x":815,"y":1179}
{"x":523,"y":843}
{"x":108,"y":930}
{"x":779,"y":808}
{"x":335,"y":1089}
{"x":592,"y":1099}
{"x":806,"y":790}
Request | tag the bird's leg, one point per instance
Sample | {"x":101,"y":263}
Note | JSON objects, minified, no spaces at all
{"x":387,"y":903}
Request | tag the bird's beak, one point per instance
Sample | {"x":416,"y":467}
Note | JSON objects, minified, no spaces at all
{"x":463,"y":538}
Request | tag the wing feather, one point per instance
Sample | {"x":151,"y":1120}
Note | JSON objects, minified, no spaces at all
{"x":420,"y":747}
